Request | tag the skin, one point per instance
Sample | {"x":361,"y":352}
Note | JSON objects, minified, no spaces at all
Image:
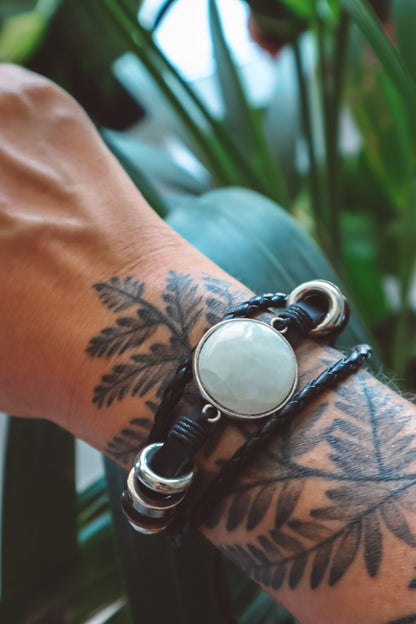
{"x":325,"y":518}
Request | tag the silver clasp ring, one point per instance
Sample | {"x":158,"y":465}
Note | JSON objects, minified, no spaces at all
{"x":338,"y":309}
{"x":213,"y":419}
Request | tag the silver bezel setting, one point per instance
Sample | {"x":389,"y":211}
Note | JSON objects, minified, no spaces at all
{"x":206,"y":395}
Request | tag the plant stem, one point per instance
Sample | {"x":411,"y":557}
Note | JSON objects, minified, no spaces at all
{"x":331,"y":86}
{"x":264,"y":163}
{"x":407,"y":264}
{"x":305,"y":111}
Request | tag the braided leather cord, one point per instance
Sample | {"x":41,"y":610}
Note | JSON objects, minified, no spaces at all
{"x":175,"y":389}
{"x":275,"y":425}
{"x":260,"y":303}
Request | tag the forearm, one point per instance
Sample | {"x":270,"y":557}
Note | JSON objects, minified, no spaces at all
{"x":325,"y":519}
{"x":326,"y":514}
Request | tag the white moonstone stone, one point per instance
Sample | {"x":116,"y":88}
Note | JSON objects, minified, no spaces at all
{"x":246,"y":368}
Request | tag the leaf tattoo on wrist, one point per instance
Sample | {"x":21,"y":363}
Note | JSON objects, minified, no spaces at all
{"x":367,"y":456}
{"x":368,"y":484}
{"x":146,"y":362}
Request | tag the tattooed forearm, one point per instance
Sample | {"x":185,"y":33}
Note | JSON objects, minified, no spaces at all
{"x":144,"y":363}
{"x":367,"y":472}
{"x":334,"y":496}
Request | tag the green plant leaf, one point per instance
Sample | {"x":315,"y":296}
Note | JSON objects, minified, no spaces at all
{"x":138,"y":40}
{"x":20,"y":35}
{"x":8,"y":8}
{"x":404,"y":19}
{"x":254,"y":240}
{"x":168,"y":177}
{"x":383,"y":119}
{"x":237,"y":108}
{"x":90,"y":584}
{"x":282,"y":121}
{"x":139,"y":177}
{"x":361,"y":266}
{"x":39,"y":508}
{"x":92,"y":503}
{"x":244,"y":122}
{"x":122,"y":616}
{"x":303,"y":8}
{"x":367,"y":22}
{"x":152,"y":568}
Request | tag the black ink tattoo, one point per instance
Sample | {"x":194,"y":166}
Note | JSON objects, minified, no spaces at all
{"x":129,"y":440}
{"x":151,"y":362}
{"x":365,"y":462}
{"x":366,"y":449}
{"x":408,"y":619}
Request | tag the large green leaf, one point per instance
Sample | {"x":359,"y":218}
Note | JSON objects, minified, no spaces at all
{"x":366,"y":20}
{"x":77,"y":591}
{"x":22,"y":32}
{"x":155,"y":163}
{"x":77,"y":52}
{"x":39,"y":508}
{"x":243,"y":121}
{"x":404,"y":18}
{"x":254,"y":240}
{"x":282,"y":119}
{"x":165,"y":584}
{"x":20,"y":35}
{"x":302,"y":8}
{"x":237,"y":109}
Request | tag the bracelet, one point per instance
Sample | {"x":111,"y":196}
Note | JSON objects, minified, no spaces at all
{"x":245,"y":369}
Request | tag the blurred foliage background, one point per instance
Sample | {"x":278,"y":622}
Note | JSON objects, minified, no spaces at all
{"x":319,"y":181}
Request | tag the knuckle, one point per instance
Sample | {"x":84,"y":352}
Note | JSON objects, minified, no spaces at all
{"x":18,"y":83}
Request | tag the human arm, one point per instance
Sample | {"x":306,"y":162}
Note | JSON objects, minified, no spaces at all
{"x":70,"y":220}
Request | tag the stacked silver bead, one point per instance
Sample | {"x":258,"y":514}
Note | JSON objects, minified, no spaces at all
{"x":150,"y":500}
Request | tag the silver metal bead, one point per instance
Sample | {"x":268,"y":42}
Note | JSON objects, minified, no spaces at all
{"x":337,"y":304}
{"x":146,"y":511}
{"x":156,"y":482}
{"x":158,"y":506}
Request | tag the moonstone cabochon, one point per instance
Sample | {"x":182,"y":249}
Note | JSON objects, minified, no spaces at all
{"x":245,"y":368}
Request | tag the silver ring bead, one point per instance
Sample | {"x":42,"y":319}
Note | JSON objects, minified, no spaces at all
{"x":156,"y":482}
{"x":158,"y":507}
{"x":337,"y":304}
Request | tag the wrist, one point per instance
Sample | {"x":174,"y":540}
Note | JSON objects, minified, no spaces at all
{"x":146,"y":329}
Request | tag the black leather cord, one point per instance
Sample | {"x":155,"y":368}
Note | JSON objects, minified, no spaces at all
{"x":275,"y":425}
{"x":183,"y":440}
{"x":260,"y":303}
{"x":174,"y":390}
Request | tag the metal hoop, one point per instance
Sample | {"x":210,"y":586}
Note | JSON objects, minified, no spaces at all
{"x":214,"y":419}
{"x":159,"y":508}
{"x":273,"y":323}
{"x":156,"y":482}
{"x":338,"y":309}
